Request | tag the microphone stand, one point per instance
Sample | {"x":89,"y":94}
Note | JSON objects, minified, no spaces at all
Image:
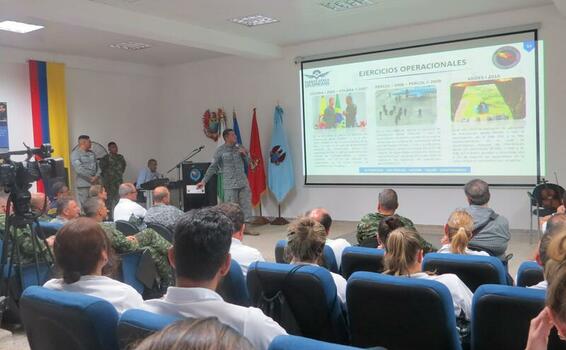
{"x":180,"y":175}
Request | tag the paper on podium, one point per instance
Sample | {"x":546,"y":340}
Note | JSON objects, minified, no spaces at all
{"x":192,"y":189}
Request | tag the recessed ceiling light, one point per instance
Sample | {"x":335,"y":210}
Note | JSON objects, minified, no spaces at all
{"x":130,"y":46}
{"x":254,"y":20}
{"x":342,"y":5}
{"x":18,"y":27}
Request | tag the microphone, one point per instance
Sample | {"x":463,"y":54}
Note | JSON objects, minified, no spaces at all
{"x":201,"y":148}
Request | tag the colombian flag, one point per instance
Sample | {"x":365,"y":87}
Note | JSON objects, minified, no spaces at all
{"x":49,"y":108}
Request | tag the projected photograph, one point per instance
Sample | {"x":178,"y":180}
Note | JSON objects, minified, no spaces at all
{"x":406,"y":106}
{"x":337,"y":111}
{"x":488,"y":100}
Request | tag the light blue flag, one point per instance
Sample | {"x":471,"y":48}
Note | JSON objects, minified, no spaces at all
{"x":281,"y":178}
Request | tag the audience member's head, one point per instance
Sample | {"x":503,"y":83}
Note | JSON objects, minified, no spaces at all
{"x":556,"y":225}
{"x":98,"y":191}
{"x":477,"y":192}
{"x":387,"y":202}
{"x":84,"y":142}
{"x":95,"y":208}
{"x":67,"y":208}
{"x":201,"y":246}
{"x":385,"y":227}
{"x":152,"y":165}
{"x":3,"y":201}
{"x":322,"y":216}
{"x":161,"y":195}
{"x":404,"y":254}
{"x":236,"y":215}
{"x":556,"y":292}
{"x":458,"y":231}
{"x":39,"y":202}
{"x":306,"y":239}
{"x":81,"y":248}
{"x":128,"y":190}
{"x":112,"y":147}
{"x":196,"y":334}
{"x":59,"y":189}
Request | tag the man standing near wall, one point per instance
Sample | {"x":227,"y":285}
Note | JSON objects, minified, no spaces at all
{"x":112,"y":168}
{"x":86,"y":168}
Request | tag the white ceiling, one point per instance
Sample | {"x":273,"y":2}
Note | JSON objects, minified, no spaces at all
{"x":188,"y":30}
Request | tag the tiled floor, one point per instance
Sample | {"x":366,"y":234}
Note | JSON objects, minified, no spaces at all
{"x":520,"y":246}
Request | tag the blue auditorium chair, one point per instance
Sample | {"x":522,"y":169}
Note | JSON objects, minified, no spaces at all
{"x":138,"y":270}
{"x":473,"y":270}
{"x":163,"y":230}
{"x":291,"y":342}
{"x":47,"y":229}
{"x":529,"y":274}
{"x":328,"y":256}
{"x":361,"y":259}
{"x":501,"y":316}
{"x":61,"y":320}
{"x":233,"y":288}
{"x":135,"y":325}
{"x":400,"y":313}
{"x":126,"y":227}
{"x":310,"y":293}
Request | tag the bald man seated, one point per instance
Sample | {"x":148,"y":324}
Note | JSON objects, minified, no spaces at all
{"x":338,"y":245}
{"x":162,"y":212}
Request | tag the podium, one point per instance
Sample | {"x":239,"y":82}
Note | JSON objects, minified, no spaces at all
{"x":193,"y":173}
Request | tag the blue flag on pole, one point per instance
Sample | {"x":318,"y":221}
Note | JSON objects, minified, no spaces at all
{"x":236,"y":128}
{"x":281,"y":178}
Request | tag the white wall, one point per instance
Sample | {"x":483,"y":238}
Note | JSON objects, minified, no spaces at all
{"x":230,"y":82}
{"x":107,"y":100}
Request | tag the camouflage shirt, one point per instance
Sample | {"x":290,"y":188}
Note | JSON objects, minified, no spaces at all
{"x":24,"y":240}
{"x":228,"y":160}
{"x":112,"y":169}
{"x":367,"y":229}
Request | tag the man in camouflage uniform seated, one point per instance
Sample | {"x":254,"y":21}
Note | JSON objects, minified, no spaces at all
{"x":387,"y":204}
{"x":158,"y":246}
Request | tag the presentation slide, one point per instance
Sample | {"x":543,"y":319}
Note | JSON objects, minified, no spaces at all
{"x":433,"y":114}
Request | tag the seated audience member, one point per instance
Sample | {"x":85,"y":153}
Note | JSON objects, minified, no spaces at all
{"x":404,"y":257}
{"x":491,"y":230}
{"x":200,"y":257}
{"x":98,"y":191}
{"x":457,"y":234}
{"x":202,"y":334}
{"x":560,"y":210}
{"x":554,"y":314}
{"x":149,"y":173}
{"x":555,"y":226}
{"x":306,"y":244}
{"x":162,"y":212}
{"x":387,"y":204}
{"x":40,"y":205}
{"x":81,"y":251}
{"x":243,"y":254}
{"x":58,"y":191}
{"x":385,"y":227}
{"x":127,"y":208}
{"x":95,"y":208}
{"x":338,"y":245}
{"x":67,"y":209}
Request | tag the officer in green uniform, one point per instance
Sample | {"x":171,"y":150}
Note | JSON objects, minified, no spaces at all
{"x":112,"y":168}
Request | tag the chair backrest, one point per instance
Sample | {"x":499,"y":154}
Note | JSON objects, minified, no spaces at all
{"x":233,"y":288}
{"x":162,"y":230}
{"x":328,"y":255}
{"x":473,"y":270}
{"x":61,"y":320}
{"x":138,"y":270}
{"x":310,"y":293}
{"x":126,"y":227}
{"x":292,"y":342}
{"x":47,"y":229}
{"x":501,"y":316}
{"x":361,"y":259}
{"x":135,"y":325}
{"x":529,"y":274}
{"x":400,"y":312}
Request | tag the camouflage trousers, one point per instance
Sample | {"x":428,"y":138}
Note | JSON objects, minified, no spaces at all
{"x":241,"y":196}
{"x":158,"y":248}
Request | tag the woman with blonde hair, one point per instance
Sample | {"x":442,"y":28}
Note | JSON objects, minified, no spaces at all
{"x":404,"y":257}
{"x":457,"y":233}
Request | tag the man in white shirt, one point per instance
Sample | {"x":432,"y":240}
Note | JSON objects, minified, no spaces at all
{"x":339,"y":244}
{"x":201,"y":258}
{"x":243,"y":254}
{"x":127,"y":205}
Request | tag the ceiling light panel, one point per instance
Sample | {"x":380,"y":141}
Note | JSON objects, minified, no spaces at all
{"x":343,"y":5}
{"x":18,"y":27}
{"x":254,"y":20}
{"x":130,"y":46}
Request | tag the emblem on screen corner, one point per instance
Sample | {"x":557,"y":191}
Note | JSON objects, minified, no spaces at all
{"x":317,"y":78}
{"x":506,"y":57}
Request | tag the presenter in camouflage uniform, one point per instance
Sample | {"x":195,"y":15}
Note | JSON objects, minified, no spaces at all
{"x":229,"y":159}
{"x":86,"y":168}
{"x":112,"y":168}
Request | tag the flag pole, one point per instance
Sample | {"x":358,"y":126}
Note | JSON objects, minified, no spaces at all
{"x":279,"y":220}
{"x":259,"y":220}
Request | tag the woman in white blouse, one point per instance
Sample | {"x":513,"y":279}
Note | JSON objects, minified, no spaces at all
{"x":404,"y":257}
{"x":457,"y":233}
{"x":82,"y":250}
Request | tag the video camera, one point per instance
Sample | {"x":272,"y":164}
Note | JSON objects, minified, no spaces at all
{"x":17,"y":177}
